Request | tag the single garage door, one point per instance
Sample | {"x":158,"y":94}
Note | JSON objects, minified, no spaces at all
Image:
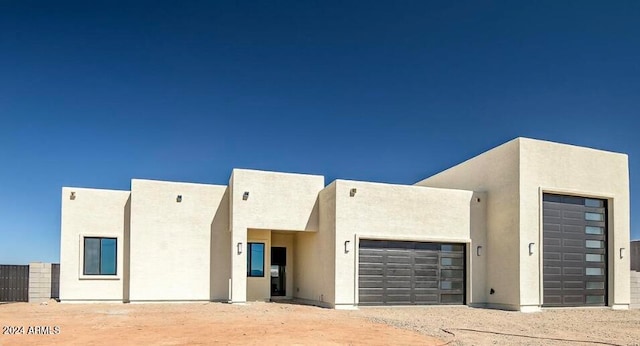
{"x":411,"y":273}
{"x":575,"y":251}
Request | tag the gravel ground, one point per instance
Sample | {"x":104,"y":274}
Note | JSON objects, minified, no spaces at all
{"x":287,"y":324}
{"x":469,"y":326}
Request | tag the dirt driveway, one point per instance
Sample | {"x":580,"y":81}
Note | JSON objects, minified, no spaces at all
{"x":285,"y":324}
{"x":197,"y":324}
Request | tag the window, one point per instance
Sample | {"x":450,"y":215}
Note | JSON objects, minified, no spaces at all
{"x":594,"y":244}
{"x":593,"y":230}
{"x":596,"y":203}
{"x":594,"y":271}
{"x":593,"y":216}
{"x":255,"y":260}
{"x":594,"y":258}
{"x":100,"y":256}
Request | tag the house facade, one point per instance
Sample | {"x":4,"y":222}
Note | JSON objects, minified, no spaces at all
{"x":526,"y":225}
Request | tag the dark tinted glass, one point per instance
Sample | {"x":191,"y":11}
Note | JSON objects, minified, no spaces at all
{"x":91,"y":256}
{"x":255,"y":259}
{"x":108,"y":256}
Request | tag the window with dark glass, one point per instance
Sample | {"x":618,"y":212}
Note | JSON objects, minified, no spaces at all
{"x":100,"y":256}
{"x":255,"y":260}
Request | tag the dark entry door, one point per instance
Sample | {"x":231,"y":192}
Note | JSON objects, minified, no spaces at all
{"x":278,"y":271}
{"x":575,"y":251}
{"x":411,"y":273}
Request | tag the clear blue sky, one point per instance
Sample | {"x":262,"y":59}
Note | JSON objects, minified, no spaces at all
{"x":94,"y":93}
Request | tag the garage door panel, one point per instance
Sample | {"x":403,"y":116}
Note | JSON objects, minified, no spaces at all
{"x":452,"y":273}
{"x":426,"y":273}
{"x":370,"y":284}
{"x":367,"y":299}
{"x":553,"y":214}
{"x":366,"y":271}
{"x":426,"y":298}
{"x":577,"y":244}
{"x":432,"y":283}
{"x":400,"y":284}
{"x":553,"y":242}
{"x":573,"y":257}
{"x":399,"y":259}
{"x":426,"y":260}
{"x":451,"y":298}
{"x":573,"y":285}
{"x":399,"y":273}
{"x":371,"y":254}
{"x":552,"y":271}
{"x":434,"y":247}
{"x":569,"y":299}
{"x":550,"y":285}
{"x":577,"y":229}
{"x":552,"y":256}
{"x":576,"y":255}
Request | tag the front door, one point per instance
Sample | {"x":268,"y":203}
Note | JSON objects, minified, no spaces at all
{"x":278,"y":271}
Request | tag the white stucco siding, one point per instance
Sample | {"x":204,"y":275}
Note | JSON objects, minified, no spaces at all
{"x":283,"y":201}
{"x":400,"y":212}
{"x":259,"y":288}
{"x":572,"y":170}
{"x":314,"y":259}
{"x":220,"y":261}
{"x":495,"y":172}
{"x":171,"y":241}
{"x":95,"y":213}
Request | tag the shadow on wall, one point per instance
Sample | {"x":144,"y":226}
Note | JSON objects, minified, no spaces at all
{"x":127,"y":250}
{"x":220,"y":252}
{"x":313,"y":224}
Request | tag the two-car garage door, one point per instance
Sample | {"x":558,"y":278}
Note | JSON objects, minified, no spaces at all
{"x":411,"y":273}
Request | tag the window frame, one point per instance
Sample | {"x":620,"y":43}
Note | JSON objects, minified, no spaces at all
{"x":84,"y":257}
{"x":249,"y":259}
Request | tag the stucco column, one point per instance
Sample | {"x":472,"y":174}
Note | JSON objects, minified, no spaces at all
{"x":238,"y":265}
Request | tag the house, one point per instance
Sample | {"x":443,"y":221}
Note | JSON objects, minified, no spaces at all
{"x":525,"y":225}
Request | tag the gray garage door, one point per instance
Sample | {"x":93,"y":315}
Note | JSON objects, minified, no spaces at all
{"x":411,"y":273}
{"x":575,"y":251}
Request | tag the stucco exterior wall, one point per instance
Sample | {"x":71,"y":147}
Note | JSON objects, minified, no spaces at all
{"x":282,"y":201}
{"x":258,"y":288}
{"x":495,"y":172}
{"x":93,"y":212}
{"x":188,"y":250}
{"x":170,"y":242}
{"x":314,"y":271}
{"x":220,"y":263}
{"x":276,"y":201}
{"x":387,"y":211}
{"x":572,"y":170}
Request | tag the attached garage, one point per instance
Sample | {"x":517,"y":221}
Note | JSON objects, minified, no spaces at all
{"x":411,"y":273}
{"x":575,"y":251}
